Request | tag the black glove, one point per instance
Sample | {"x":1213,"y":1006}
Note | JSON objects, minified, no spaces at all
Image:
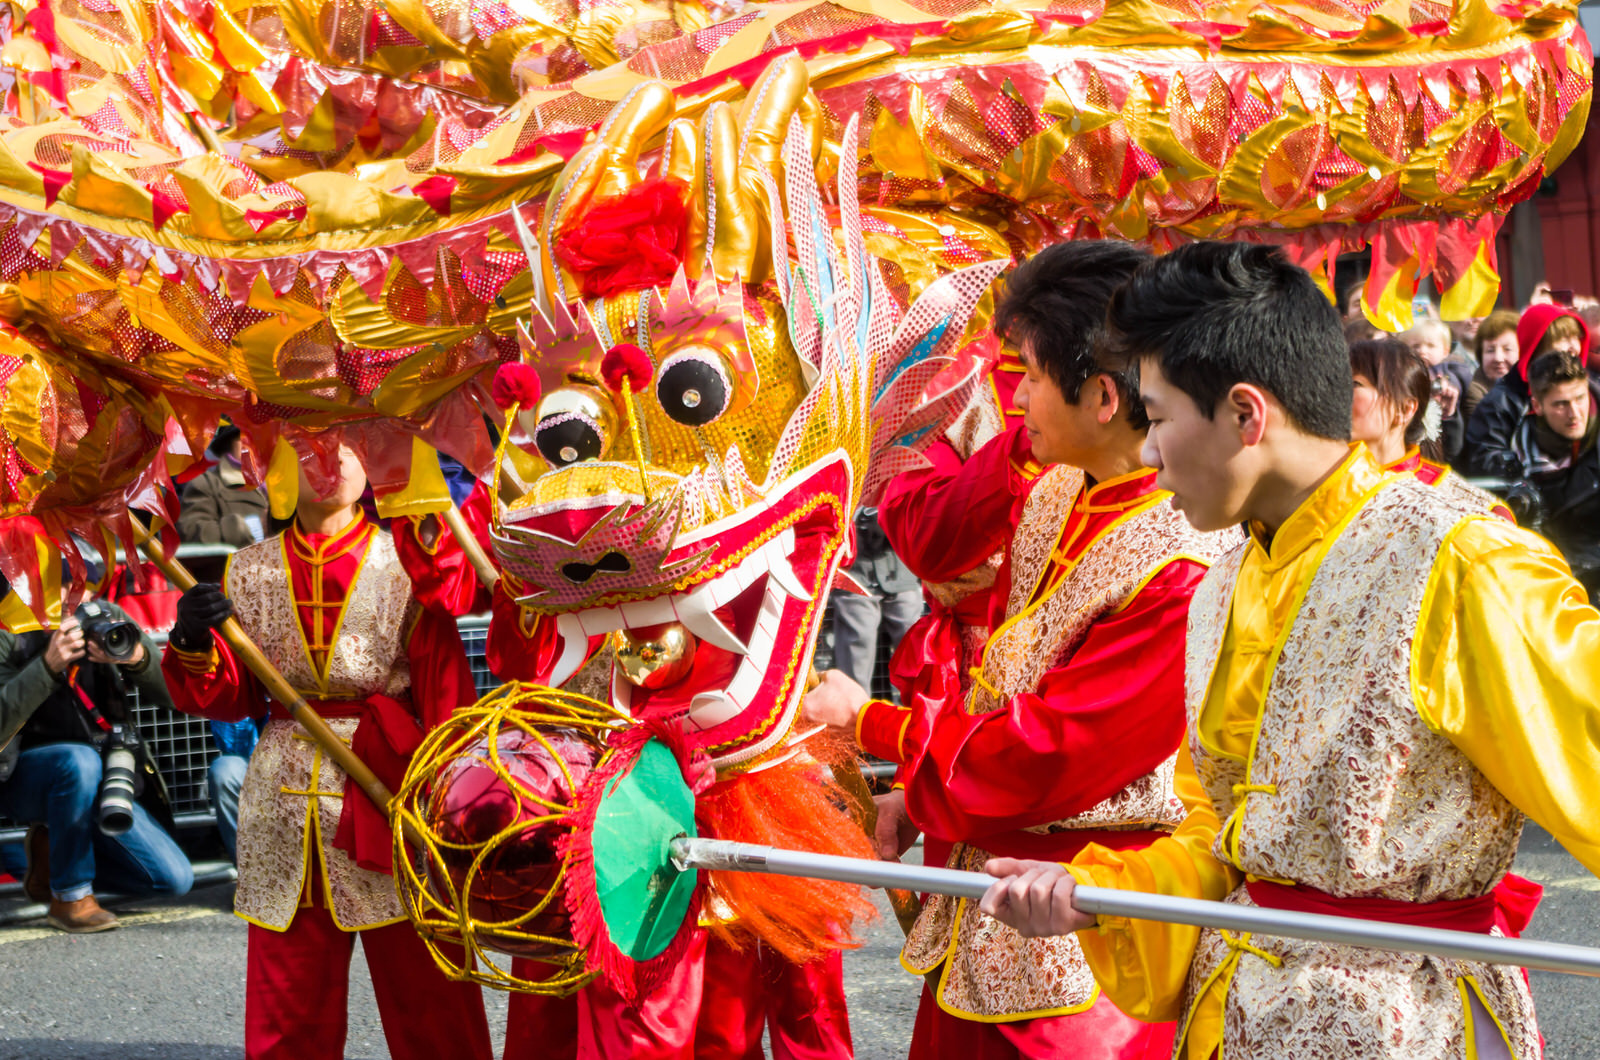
{"x":200,"y":610}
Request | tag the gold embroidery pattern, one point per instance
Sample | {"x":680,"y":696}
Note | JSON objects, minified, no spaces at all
{"x":1361,"y":800}
{"x":369,"y":650}
{"x":1329,"y":1002}
{"x":981,"y":577}
{"x":992,"y":972}
{"x":980,"y":421}
{"x":1459,"y":491}
{"x":277,"y":821}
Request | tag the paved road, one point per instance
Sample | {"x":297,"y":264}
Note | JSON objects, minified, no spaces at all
{"x":170,"y":983}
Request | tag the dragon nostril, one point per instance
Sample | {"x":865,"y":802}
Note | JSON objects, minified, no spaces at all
{"x":613,"y":562}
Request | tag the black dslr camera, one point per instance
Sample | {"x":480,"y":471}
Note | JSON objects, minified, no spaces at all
{"x":116,"y":637}
{"x":120,"y":746}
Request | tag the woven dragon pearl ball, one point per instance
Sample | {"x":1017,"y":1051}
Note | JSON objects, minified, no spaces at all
{"x":473,"y":806}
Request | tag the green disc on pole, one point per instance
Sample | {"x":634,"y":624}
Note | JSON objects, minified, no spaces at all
{"x":643,"y":896}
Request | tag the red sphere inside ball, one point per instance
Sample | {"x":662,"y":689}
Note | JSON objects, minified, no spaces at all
{"x":472,"y":803}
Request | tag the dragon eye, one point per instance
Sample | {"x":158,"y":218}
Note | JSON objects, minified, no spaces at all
{"x":568,"y":437}
{"x":572,"y":426}
{"x":693,"y":387}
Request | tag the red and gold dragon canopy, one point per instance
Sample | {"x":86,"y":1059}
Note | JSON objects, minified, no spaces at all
{"x":740,"y":246}
{"x":306,"y":214}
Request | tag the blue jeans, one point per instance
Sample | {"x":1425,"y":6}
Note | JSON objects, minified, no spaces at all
{"x":56,"y":784}
{"x":226,"y":778}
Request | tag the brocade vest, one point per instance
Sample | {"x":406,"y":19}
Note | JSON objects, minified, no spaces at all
{"x":292,"y":793}
{"x":1349,"y":792}
{"x":990,"y":972}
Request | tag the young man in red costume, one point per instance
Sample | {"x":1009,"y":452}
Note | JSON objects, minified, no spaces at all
{"x":330,"y":604}
{"x":1070,"y":733}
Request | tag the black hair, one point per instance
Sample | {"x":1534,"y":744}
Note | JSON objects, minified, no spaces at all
{"x":1399,"y":375}
{"x":1552,"y":369}
{"x":1055,"y":304}
{"x":1215,"y":315}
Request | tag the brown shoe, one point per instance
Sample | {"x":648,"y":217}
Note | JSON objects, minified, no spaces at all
{"x":36,"y":881}
{"x":83,"y":917}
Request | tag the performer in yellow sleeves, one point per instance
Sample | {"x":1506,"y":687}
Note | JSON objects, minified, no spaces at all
{"x":1380,"y":683}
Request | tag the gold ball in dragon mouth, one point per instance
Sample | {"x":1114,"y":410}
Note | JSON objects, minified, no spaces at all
{"x":654,"y":656}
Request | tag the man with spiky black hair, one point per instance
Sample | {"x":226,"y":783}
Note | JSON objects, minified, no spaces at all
{"x":1380,"y":682}
{"x":1070,"y":731}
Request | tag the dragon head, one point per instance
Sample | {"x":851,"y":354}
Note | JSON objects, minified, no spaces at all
{"x":710,"y":417}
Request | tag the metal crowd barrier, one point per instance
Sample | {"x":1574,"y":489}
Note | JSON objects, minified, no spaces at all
{"x":183,"y":748}
{"x":182,"y":744}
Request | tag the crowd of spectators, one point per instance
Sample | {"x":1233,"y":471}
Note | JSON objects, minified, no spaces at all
{"x":63,"y":706}
{"x":1518,"y":410}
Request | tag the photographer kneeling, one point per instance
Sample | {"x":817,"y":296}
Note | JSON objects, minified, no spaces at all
{"x":65,"y":727}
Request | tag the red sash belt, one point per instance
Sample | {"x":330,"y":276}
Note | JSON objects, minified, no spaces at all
{"x":1509,"y":906}
{"x":385,"y":739}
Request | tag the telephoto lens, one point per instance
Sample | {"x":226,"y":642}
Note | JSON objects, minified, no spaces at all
{"x":118,"y":786}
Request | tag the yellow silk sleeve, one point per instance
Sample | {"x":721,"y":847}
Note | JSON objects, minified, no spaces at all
{"x":1142,"y":965}
{"x":1506,"y":665}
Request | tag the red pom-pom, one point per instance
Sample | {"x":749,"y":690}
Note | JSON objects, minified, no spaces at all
{"x":625,"y":361}
{"x":629,"y":241}
{"x":516,"y":384}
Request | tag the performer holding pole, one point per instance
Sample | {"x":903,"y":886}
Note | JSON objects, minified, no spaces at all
{"x":1381,"y":682}
{"x":333,"y":610}
{"x":1075,"y":715}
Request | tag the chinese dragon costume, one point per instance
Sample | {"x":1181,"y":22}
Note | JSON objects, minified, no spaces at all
{"x":743,"y":249}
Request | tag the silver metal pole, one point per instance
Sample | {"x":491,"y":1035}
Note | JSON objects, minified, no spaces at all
{"x":721,"y":856}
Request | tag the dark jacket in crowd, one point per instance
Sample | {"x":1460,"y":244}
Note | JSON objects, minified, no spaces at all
{"x":218,"y":508}
{"x":1495,"y":421}
{"x":1566,"y":476}
{"x":1476,"y":391}
{"x":40,"y":707}
{"x":876,"y":566}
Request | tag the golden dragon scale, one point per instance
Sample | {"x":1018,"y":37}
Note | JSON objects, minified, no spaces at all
{"x":308,"y":213}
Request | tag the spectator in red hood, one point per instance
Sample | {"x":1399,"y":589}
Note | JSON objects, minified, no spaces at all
{"x":1542,"y":329}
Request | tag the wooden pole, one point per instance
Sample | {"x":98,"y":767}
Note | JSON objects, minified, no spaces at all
{"x":276,"y":684}
{"x":487,"y":574}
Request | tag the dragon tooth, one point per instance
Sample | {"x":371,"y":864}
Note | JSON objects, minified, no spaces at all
{"x":694,"y":611}
{"x":746,"y":681}
{"x":783,"y":573}
{"x":653,"y":612}
{"x":574,"y":649}
{"x":709,"y":709}
{"x":598,"y":620}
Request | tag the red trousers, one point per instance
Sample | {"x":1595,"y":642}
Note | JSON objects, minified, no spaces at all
{"x":714,"y":1008}
{"x":297,"y":987}
{"x":1100,"y":1032}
